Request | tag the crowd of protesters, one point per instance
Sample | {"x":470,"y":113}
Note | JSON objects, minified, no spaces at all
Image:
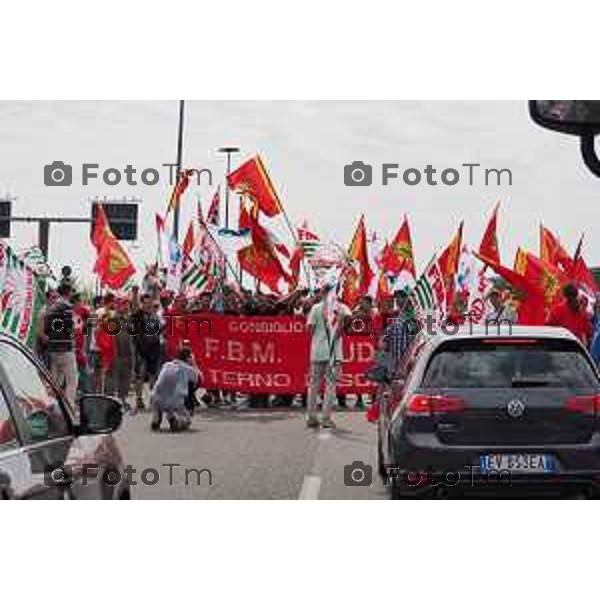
{"x":116,"y":343}
{"x":93,"y":349}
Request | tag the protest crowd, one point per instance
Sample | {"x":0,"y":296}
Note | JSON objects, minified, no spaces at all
{"x":123,"y":340}
{"x":89,"y":355}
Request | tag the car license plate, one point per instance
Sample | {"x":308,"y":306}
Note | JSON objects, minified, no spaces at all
{"x":524,"y":463}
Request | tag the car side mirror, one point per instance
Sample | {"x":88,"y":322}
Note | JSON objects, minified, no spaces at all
{"x":99,"y":414}
{"x":575,"y":117}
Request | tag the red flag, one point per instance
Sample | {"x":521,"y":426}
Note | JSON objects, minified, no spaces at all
{"x":263,"y":265}
{"x":247,"y":214}
{"x":102,"y":229}
{"x":383,"y":288}
{"x":552,"y":252}
{"x":388,"y":261}
{"x":350,"y":287}
{"x":113,"y":266}
{"x":260,"y":258}
{"x":358,"y":252}
{"x":582,"y":276}
{"x":295,"y":262}
{"x":448,"y":261}
{"x":213,"y":216}
{"x":188,"y":242}
{"x":532,"y":306}
{"x":489,"y":242}
{"x":402,"y":250}
{"x":252,"y":180}
{"x":542,"y":274}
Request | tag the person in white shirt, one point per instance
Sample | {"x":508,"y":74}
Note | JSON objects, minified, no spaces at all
{"x":171,"y":389}
{"x":325,"y":322}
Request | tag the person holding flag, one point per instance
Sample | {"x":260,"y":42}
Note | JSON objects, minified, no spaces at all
{"x":325,"y":322}
{"x":502,"y":311}
{"x":571,"y":315}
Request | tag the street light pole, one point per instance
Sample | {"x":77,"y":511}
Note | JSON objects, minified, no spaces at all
{"x":229,"y":150}
{"x":179,"y":162}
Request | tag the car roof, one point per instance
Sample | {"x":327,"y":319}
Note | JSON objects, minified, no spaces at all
{"x":504,"y":330}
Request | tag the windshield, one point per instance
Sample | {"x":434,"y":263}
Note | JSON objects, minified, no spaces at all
{"x":477,"y":363}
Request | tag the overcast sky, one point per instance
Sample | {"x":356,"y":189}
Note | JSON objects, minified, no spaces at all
{"x":305,"y":146}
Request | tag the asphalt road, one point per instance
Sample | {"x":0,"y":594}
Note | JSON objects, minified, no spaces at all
{"x":250,"y":455}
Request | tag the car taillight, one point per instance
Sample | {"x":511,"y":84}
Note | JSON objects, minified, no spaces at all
{"x":423,"y":404}
{"x":584,"y":404}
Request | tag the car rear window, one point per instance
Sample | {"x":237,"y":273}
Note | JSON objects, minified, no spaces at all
{"x":509,"y":363}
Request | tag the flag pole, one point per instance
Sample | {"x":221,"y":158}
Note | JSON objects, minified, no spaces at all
{"x":179,"y":161}
{"x":577,"y":254}
{"x":228,"y":150}
{"x":159,"y":256}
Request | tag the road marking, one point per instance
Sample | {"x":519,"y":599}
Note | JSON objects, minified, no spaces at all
{"x":310,"y":488}
{"x":324,"y":435}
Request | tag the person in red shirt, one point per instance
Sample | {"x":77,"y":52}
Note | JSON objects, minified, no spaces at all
{"x":571,"y":315}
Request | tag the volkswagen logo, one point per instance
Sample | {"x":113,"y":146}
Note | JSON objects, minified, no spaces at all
{"x":515,"y":408}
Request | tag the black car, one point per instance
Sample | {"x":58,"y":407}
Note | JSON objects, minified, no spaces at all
{"x":45,"y":452}
{"x":486,"y":413}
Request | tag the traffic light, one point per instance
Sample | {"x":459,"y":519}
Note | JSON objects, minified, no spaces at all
{"x":5,"y":214}
{"x":122,"y":218}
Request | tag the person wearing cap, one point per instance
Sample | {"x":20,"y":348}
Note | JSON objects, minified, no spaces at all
{"x":325,"y":323}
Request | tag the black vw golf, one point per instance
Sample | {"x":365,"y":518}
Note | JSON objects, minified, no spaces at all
{"x":484,"y":412}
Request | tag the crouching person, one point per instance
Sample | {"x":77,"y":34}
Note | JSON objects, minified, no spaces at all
{"x":169,"y":394}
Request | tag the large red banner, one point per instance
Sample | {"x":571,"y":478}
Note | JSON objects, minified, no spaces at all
{"x":264,"y":354}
